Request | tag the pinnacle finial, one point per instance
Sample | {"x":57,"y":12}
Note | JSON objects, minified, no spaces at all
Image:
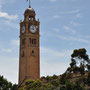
{"x":29,"y":4}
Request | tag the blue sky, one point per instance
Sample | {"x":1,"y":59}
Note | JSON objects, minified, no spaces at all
{"x":64,"y":26}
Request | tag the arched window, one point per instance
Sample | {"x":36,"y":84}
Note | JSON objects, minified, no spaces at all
{"x":23,"y":54}
{"x":32,"y":52}
{"x":30,"y":40}
{"x":34,"y":41}
{"x":23,"y":41}
{"x":30,"y":18}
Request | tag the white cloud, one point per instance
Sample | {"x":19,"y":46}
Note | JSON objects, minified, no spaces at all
{"x":15,"y":42}
{"x":77,"y":39}
{"x":8,"y":23}
{"x":9,"y":68}
{"x":7,"y":16}
{"x":56,"y":29}
{"x":0,"y":7}
{"x":52,"y":0}
{"x":55,"y":53}
{"x":75,"y":23}
{"x":69,"y":29}
{"x":1,"y":2}
{"x":56,"y":16}
{"x":5,"y":50}
{"x":11,"y":24}
{"x":71,"y":12}
{"x":6,"y":19}
{"x":78,"y":15}
{"x":53,"y":68}
{"x":72,"y":0}
{"x":53,"y":61}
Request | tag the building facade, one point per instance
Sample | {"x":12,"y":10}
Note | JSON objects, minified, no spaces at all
{"x":29,"y":55}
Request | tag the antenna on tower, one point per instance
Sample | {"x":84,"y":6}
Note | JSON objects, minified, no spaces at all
{"x":29,"y":4}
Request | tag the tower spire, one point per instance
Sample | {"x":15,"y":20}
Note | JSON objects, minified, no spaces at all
{"x":29,"y":4}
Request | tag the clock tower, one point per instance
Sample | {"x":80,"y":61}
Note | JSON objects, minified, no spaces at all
{"x":29,"y":55}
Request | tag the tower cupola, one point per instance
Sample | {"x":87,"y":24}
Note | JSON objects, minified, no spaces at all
{"x":29,"y":11}
{"x":29,"y":14}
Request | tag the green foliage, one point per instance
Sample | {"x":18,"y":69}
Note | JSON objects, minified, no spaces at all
{"x":82,"y":69}
{"x":76,"y":69}
{"x":54,"y":77}
{"x":55,"y":83}
{"x":15,"y":87}
{"x":69,"y":69}
{"x":33,"y":85}
{"x":5,"y":85}
{"x":48,"y":78}
{"x":62,"y":88}
{"x":37,"y":84}
{"x":77,"y":86}
{"x":29,"y":84}
{"x":73,"y":63}
{"x":79,"y":61}
{"x":88,"y":67}
{"x":63,"y":79}
{"x":49,"y":87}
{"x":68,"y":75}
{"x":80,"y":53}
{"x":88,"y":79}
{"x":69,"y":86}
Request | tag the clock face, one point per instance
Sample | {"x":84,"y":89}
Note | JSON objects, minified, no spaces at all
{"x":23,"y":29}
{"x":33,"y":28}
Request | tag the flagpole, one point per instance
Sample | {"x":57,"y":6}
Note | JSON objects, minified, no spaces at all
{"x":29,"y":4}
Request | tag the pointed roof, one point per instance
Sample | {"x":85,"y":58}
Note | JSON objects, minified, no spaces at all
{"x":29,"y":10}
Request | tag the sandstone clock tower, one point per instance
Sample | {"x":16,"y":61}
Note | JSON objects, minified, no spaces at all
{"x":29,"y":56}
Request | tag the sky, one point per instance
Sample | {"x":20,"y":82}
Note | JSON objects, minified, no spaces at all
{"x":64,"y":26}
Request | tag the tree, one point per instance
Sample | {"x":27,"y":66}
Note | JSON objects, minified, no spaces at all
{"x":33,"y":85}
{"x":15,"y":87}
{"x":49,"y":86}
{"x":82,"y":69}
{"x":55,"y":83}
{"x":79,"y":60}
{"x":88,"y":67}
{"x":73,"y":63}
{"x":69,"y":86}
{"x":37,"y":84}
{"x":54,"y":77}
{"x":63,"y":79}
{"x":80,"y":55}
{"x":88,"y":79}
{"x":6,"y":85}
{"x":29,"y":84}
{"x":48,"y":78}
{"x":69,"y":69}
{"x":77,"y":86}
{"x":76,"y":69}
